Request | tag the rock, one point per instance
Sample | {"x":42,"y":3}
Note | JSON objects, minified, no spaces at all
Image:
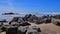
{"x":48,"y":20}
{"x":58,"y":24}
{"x":33,"y":30}
{"x":12,"y":30}
{"x":25,"y":18}
{"x":25,"y":24}
{"x":22,"y":29}
{"x":3,"y":29}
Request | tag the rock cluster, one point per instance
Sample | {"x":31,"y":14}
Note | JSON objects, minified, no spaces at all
{"x":21,"y":25}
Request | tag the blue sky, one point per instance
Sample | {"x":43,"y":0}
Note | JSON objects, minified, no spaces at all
{"x":30,"y":6}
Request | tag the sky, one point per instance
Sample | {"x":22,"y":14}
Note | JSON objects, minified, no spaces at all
{"x":30,"y":6}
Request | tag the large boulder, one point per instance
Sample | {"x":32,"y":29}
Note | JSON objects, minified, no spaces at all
{"x":12,"y":30}
{"x":22,"y":29}
{"x":58,"y":23}
{"x":15,"y":19}
{"x":24,"y":24}
{"x":33,"y":30}
{"x":3,"y":29}
{"x":25,"y":18}
{"x":33,"y":19}
{"x":48,"y":20}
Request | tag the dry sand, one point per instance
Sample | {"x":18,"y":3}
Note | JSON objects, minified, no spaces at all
{"x":3,"y":33}
{"x":50,"y":26}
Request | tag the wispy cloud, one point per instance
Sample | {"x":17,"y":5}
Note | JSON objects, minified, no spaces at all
{"x":9,"y":8}
{"x":10,"y":2}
